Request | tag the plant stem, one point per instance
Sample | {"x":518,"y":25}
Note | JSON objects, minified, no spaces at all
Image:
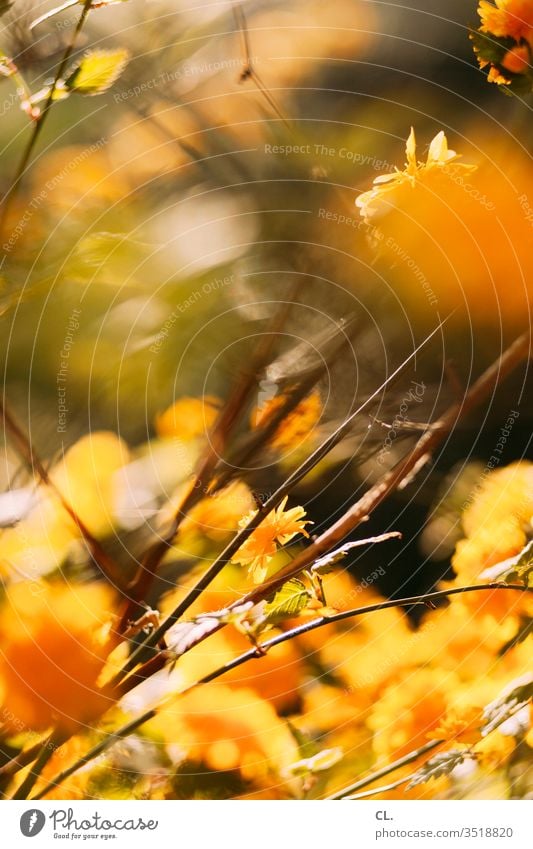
{"x":39,"y":122}
{"x":47,"y":750}
{"x":386,"y":770}
{"x":259,"y":652}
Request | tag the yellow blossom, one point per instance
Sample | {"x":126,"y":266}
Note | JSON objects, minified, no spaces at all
{"x":278,"y":528}
{"x":188,"y":418}
{"x":462,"y":725}
{"x":53,"y":650}
{"x":387,"y":188}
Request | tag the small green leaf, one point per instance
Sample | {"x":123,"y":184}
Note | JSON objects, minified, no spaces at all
{"x":507,"y":704}
{"x":287,"y":602}
{"x":97,"y":71}
{"x":442,"y":764}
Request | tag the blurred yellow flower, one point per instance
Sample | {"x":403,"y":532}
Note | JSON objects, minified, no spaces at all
{"x":220,"y":513}
{"x":188,"y":418}
{"x":227,"y":729}
{"x":279,"y":527}
{"x":296,"y":426}
{"x":53,"y":650}
{"x":461,"y":725}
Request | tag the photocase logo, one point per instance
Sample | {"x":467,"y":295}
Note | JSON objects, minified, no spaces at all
{"x":32,"y":822}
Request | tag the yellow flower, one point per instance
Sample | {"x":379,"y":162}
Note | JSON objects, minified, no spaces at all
{"x":462,"y":725}
{"x":507,"y":18}
{"x":296,"y":426}
{"x":219,"y":514}
{"x":227,"y":729}
{"x":53,"y":651}
{"x":188,"y":418}
{"x":386,"y":192}
{"x":279,"y":527}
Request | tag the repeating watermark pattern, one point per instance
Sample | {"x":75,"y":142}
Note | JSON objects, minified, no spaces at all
{"x":526,"y":208}
{"x":323,"y":150}
{"x":64,"y":366}
{"x":38,"y":200}
{"x":494,"y":460}
{"x":419,"y":275}
{"x":414,"y":396}
{"x":181,"y":308}
{"x":184,"y":72}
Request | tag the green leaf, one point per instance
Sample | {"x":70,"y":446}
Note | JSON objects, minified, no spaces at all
{"x":97,"y":71}
{"x":490,"y":48}
{"x":507,"y":704}
{"x":287,"y":602}
{"x":442,"y":764}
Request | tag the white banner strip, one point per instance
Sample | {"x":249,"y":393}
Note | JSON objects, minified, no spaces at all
{"x":255,"y":825}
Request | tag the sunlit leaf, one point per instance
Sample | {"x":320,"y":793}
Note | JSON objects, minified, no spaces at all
{"x":287,"y":602}
{"x":97,"y":71}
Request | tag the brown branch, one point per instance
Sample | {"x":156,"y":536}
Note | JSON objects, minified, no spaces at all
{"x":25,"y":448}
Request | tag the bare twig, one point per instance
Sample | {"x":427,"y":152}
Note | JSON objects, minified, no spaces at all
{"x":108,"y":567}
{"x":386,"y":770}
{"x":39,"y":121}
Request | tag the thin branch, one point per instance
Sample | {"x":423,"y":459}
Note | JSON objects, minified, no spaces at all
{"x":260,"y":651}
{"x":376,"y":790}
{"x":25,"y":448}
{"x":97,"y":750}
{"x":249,"y":71}
{"x":140,"y":654}
{"x":48,"y":748}
{"x":386,"y":770}
{"x":39,"y":122}
{"x":25,"y":757}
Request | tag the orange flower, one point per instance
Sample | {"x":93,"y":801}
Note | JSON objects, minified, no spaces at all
{"x":507,"y":18}
{"x":53,"y":651}
{"x":462,"y":725}
{"x":227,"y":729}
{"x":295,"y":427}
{"x":279,"y":527}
